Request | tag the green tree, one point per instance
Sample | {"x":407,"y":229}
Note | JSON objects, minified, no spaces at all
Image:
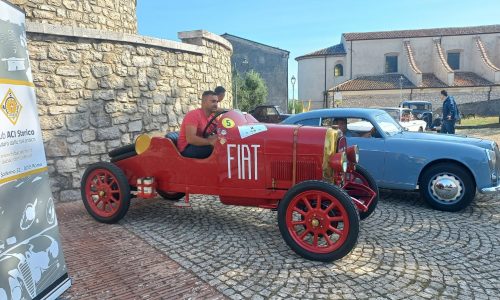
{"x":251,"y":90}
{"x":299,"y":106}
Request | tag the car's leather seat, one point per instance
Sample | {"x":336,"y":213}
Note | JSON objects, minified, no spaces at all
{"x":173,"y":136}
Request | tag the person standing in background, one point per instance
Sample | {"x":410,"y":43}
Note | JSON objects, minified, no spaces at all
{"x":450,"y":113}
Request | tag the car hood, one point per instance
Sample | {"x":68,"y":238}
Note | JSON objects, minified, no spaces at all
{"x":449,"y":138}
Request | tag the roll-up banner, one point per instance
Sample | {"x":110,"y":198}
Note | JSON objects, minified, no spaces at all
{"x":32,"y":263}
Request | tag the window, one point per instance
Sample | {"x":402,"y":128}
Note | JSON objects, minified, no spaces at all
{"x":393,"y":113}
{"x":309,"y":122}
{"x":338,"y":70}
{"x":271,"y":111}
{"x":454,"y":60}
{"x":327,"y":122}
{"x":391,"y":64}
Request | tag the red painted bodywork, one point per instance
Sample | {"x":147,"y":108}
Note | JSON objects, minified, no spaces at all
{"x":267,"y":181}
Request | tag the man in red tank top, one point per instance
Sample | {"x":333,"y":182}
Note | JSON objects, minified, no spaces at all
{"x":191,"y":143}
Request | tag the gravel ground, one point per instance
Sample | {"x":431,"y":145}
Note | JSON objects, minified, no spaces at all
{"x":490,"y":133}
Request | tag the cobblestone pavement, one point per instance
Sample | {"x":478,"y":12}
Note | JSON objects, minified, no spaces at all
{"x":405,"y":250}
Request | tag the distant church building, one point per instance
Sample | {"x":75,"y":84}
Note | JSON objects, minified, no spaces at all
{"x":270,"y":62}
{"x":381,"y":68}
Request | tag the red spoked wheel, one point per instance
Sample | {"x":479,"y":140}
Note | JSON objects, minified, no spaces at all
{"x":318,"y":221}
{"x":105,"y":192}
{"x":361,"y":176}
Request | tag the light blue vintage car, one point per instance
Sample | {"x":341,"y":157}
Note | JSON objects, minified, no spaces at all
{"x":447,"y":169}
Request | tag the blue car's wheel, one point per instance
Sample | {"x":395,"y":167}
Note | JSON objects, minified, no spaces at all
{"x":447,"y":187}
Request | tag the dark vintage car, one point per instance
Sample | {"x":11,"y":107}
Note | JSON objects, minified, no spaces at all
{"x":268,"y":114}
{"x":422,"y":110}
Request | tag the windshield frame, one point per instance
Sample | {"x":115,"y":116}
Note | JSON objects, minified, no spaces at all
{"x":385,"y":117}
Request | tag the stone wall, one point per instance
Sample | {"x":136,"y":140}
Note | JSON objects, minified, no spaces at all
{"x":97,"y":94}
{"x":112,"y":15}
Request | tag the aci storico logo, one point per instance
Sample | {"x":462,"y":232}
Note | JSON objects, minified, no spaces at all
{"x":11,"y":107}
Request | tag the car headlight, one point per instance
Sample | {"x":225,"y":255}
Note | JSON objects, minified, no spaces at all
{"x":492,"y":161}
{"x":353,"y":154}
{"x":492,"y":158}
{"x":338,"y":162}
{"x":419,"y":116}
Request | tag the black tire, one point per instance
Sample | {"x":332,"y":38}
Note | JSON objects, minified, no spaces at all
{"x":121,"y":184}
{"x":346,"y":203}
{"x":420,"y":129}
{"x":459,"y":175}
{"x":374,"y":186}
{"x":172,"y":196}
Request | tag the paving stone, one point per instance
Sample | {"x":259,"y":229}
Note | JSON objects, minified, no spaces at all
{"x":132,"y":268}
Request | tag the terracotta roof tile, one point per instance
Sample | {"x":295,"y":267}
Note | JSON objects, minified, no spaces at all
{"x":429,"y":80}
{"x":391,"y":82}
{"x":469,"y":79}
{"x":353,"y":36}
{"x":377,"y":82}
{"x":333,"y":50}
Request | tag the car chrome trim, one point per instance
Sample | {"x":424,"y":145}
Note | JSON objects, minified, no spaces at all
{"x":59,"y":290}
{"x":446,"y":188}
{"x":491,"y":190}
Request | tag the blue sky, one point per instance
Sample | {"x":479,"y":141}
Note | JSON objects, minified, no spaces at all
{"x":305,"y":26}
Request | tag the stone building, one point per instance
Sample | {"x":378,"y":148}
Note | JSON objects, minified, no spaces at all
{"x":270,"y":62}
{"x":381,"y":68}
{"x":99,"y":84}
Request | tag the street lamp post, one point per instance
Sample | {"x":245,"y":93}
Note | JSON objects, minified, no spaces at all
{"x":293,"y":80}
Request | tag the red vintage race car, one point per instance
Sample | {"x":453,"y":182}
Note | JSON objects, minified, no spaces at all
{"x":308,"y":174}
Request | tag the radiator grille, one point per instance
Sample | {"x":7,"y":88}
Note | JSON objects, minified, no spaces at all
{"x":306,"y":170}
{"x":282,"y":170}
{"x":27,"y":279}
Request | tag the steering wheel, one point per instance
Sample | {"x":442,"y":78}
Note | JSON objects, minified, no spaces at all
{"x":374,"y":133}
{"x":210,"y":123}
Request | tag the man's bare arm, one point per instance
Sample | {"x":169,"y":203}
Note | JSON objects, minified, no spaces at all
{"x":195,"y":140}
